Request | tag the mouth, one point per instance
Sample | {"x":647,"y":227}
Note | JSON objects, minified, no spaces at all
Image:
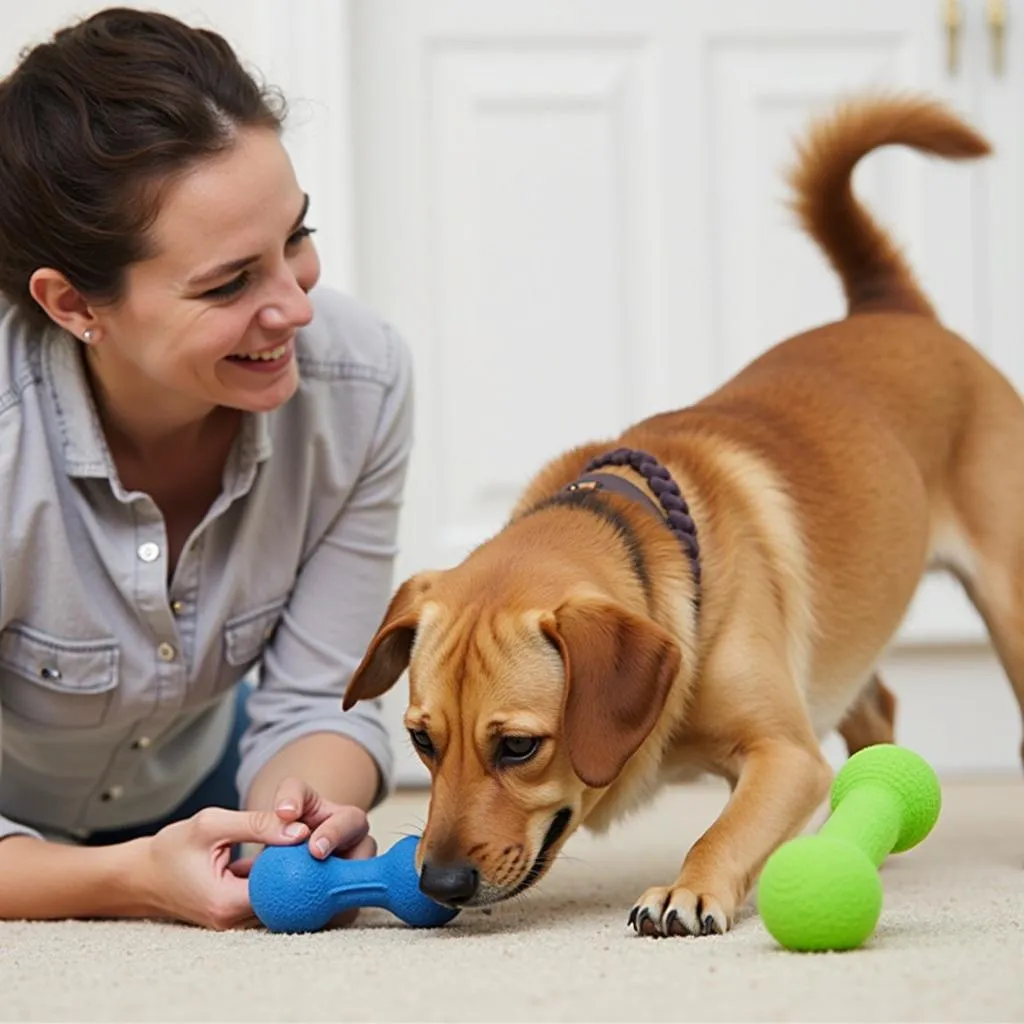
{"x":555,"y":831}
{"x":266,"y":360}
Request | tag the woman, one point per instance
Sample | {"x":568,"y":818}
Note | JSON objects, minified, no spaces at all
{"x":201,"y":465}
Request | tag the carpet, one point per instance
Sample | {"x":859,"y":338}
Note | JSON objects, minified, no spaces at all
{"x":949,"y":945}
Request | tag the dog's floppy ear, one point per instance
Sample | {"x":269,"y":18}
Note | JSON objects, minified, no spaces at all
{"x":619,"y":669}
{"x":387,"y":657}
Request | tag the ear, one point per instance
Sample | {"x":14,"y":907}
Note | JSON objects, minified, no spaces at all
{"x":619,"y":670}
{"x":387,"y":657}
{"x":60,"y":301}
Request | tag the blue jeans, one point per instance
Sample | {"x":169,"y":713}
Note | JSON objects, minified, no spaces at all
{"x":217,"y":789}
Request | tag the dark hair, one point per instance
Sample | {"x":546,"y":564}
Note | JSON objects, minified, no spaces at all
{"x":93,"y":125}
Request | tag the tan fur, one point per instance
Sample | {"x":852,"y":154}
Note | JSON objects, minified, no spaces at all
{"x":824,"y":479}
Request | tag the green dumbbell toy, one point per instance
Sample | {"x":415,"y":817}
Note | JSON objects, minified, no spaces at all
{"x":823,"y":891}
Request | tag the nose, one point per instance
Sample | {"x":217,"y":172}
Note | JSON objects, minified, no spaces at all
{"x":454,"y":885}
{"x":290,"y":310}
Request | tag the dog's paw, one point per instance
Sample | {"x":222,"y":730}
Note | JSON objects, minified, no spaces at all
{"x":673,"y":910}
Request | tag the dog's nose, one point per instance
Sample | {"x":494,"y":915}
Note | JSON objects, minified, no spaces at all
{"x":452,"y":884}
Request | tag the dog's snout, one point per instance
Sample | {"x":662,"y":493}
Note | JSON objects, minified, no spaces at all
{"x":451,"y":884}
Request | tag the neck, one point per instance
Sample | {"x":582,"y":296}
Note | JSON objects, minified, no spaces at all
{"x":144,"y":425}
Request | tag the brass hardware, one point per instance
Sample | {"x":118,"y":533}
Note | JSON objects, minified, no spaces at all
{"x":997,"y":33}
{"x":954,"y":20}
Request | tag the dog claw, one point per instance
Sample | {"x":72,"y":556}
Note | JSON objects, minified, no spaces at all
{"x":646,"y":925}
{"x":644,"y":922}
{"x":709,"y":926}
{"x":673,"y":924}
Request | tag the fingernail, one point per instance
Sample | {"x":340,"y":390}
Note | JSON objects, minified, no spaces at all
{"x":287,"y":806}
{"x":323,"y":846}
{"x":294,"y":830}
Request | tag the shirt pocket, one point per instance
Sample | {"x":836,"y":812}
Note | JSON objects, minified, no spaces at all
{"x":51,"y":681}
{"x":247,"y":634}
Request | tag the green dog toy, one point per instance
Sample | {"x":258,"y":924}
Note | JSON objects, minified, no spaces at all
{"x":823,"y":891}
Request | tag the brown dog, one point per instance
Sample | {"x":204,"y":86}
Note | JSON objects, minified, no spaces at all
{"x":592,"y":650}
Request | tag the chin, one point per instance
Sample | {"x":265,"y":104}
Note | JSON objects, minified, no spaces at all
{"x":268,"y":398}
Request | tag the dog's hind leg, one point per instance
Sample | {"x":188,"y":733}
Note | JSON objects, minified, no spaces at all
{"x":985,"y":548}
{"x":997,"y":592}
{"x":871,"y":720}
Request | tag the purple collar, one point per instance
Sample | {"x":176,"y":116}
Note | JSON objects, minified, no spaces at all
{"x":674,"y":511}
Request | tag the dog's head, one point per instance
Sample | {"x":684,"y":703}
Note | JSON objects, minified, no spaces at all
{"x":528,"y":693}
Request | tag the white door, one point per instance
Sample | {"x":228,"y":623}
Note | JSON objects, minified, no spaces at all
{"x":575,"y":212}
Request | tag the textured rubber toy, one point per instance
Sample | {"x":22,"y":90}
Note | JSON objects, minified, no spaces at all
{"x":293,"y":891}
{"x":824,"y":892}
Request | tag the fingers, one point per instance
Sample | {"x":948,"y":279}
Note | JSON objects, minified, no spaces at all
{"x":343,"y":830}
{"x":231,"y":906}
{"x":295,"y":800}
{"x":240,"y":868}
{"x":218,"y":825}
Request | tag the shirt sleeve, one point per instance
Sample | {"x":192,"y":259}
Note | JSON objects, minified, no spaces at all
{"x":7,"y":826}
{"x":336,"y":605}
{"x":13,"y":828}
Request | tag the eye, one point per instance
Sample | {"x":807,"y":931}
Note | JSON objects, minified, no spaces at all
{"x":227,"y":291}
{"x":517,"y":749}
{"x":421,"y":741}
{"x":298,"y":236}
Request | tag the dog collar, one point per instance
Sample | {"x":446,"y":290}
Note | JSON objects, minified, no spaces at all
{"x":676,"y":514}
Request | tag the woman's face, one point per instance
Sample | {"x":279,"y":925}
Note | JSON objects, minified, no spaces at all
{"x":210,"y":319}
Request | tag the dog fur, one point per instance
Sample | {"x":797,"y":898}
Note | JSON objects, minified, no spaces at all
{"x":563,"y":671}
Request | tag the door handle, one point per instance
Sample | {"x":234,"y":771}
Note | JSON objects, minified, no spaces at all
{"x":997,"y":33}
{"x":954,"y":20}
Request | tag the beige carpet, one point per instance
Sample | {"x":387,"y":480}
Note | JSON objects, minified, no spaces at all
{"x":949,"y":947}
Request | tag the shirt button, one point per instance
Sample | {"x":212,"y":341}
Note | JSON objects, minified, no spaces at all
{"x":176,"y":607}
{"x":141,"y":743}
{"x":114,"y":793}
{"x":149,"y":552}
{"x":165,"y":652}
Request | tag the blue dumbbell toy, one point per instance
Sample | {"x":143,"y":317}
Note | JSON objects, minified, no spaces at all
{"x":293,"y":891}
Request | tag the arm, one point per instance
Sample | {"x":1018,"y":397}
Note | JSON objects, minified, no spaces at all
{"x":338,"y":768}
{"x":50,"y":881}
{"x":297,"y":728}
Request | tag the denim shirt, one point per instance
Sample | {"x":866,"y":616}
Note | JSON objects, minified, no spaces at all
{"x":115,"y":685}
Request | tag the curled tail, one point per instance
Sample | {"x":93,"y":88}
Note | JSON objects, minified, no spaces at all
{"x":874,"y":273}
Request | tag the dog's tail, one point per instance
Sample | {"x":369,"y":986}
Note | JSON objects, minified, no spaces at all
{"x":874,"y":273}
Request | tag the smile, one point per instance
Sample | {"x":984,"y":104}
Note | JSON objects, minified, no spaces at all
{"x":266,"y":356}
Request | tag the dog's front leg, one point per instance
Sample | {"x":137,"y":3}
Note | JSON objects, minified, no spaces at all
{"x":779,"y":786}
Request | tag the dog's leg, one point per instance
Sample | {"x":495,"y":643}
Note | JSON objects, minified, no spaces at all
{"x":871,"y":720}
{"x":980,"y":539}
{"x":779,"y":786}
{"x":998,"y":595}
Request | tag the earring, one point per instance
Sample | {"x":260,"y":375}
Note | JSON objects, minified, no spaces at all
{"x":88,"y":335}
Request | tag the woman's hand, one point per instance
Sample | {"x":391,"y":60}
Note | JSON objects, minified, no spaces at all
{"x":187,"y":871}
{"x":339,"y":829}
{"x":333,"y":828}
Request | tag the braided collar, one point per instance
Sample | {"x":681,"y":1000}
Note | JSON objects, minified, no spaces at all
{"x":674,"y":511}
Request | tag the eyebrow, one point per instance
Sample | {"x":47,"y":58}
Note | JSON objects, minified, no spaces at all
{"x":233,"y":266}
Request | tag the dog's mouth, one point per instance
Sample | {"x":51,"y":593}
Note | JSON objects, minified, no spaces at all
{"x":559,"y":823}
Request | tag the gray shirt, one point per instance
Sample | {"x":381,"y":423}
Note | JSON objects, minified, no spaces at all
{"x":115,"y":686}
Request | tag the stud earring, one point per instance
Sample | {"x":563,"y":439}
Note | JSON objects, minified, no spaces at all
{"x":88,"y":335}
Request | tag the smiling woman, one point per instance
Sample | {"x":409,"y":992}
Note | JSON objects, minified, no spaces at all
{"x":202,"y":459}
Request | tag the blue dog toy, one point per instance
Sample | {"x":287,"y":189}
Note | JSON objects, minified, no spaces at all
{"x":293,"y":891}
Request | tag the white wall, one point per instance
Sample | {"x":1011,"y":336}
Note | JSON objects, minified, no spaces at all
{"x":956,"y":707}
{"x":303,"y":49}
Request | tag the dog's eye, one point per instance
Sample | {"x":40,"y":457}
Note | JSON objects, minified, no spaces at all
{"x":517,"y":749}
{"x":421,"y":741}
